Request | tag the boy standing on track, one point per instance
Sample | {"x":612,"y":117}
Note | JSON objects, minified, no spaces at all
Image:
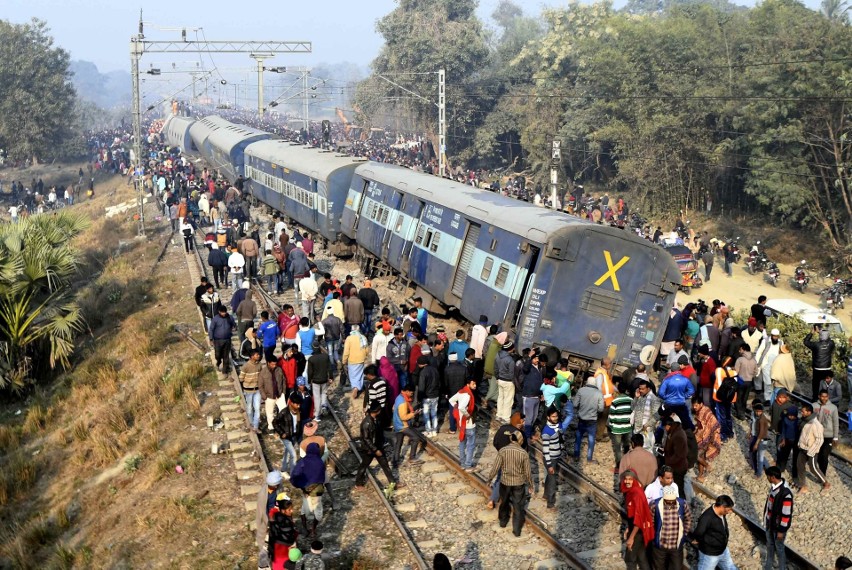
{"x":777,"y":517}
{"x":515,"y":480}
{"x":810,"y":441}
{"x":551,"y":441}
{"x":370,"y":441}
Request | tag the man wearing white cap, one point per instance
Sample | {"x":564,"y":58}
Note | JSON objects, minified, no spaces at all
{"x":672,"y":524}
{"x":265,"y":501}
{"x":766,"y":354}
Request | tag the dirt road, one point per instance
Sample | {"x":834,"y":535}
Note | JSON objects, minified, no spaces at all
{"x":742,"y":290}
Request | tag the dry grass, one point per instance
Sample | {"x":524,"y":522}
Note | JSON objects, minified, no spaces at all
{"x":105,"y":446}
{"x":10,"y":438}
{"x":37,"y":418}
{"x":18,"y":473}
{"x":80,"y":429}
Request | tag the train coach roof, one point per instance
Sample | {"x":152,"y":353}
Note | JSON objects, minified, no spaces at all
{"x":521,"y":218}
{"x":300,"y":158}
{"x":225,"y":134}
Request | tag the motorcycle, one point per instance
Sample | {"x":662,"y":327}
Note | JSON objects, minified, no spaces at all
{"x":832,"y":297}
{"x":800,"y":279}
{"x":735,"y":249}
{"x":753,"y":257}
{"x":772,"y":273}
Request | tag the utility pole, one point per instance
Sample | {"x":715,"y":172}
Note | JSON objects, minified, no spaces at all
{"x":555,"y":159}
{"x":139,"y":45}
{"x":306,"y":100}
{"x":442,"y":123}
{"x":136,"y":50}
{"x":259,"y":58}
{"x":442,"y":108}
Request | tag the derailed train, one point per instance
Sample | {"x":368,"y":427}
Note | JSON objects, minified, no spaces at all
{"x":579,"y":290}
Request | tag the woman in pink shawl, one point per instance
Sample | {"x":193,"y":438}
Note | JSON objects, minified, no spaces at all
{"x":387,"y":371}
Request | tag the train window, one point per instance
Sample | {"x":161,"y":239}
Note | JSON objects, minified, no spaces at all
{"x":502,"y":275}
{"x":421,"y":230}
{"x":399,"y":219}
{"x":377,"y":214}
{"x":428,"y":239}
{"x":433,"y":247}
{"x":486,"y":269}
{"x":493,"y":244}
{"x":385,"y":217}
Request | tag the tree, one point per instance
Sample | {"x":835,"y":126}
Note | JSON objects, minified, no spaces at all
{"x":421,"y":37}
{"x":36,"y":96}
{"x":38,"y":317}
{"x":835,"y":10}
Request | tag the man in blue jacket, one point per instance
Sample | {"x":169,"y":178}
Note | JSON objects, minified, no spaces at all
{"x":221,"y":328}
{"x":675,"y":392}
{"x":268,"y":333}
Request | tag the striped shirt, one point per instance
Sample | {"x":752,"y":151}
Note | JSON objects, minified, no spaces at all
{"x":377,"y":392}
{"x":249,"y":375}
{"x":619,"y":414}
{"x":551,"y":443}
{"x":515,"y":463}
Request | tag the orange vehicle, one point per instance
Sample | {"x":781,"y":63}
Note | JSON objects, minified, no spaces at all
{"x":688,"y":267}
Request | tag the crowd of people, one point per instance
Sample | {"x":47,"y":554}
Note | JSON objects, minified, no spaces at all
{"x":663,"y":419}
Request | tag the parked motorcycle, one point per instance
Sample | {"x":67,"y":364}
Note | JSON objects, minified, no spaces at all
{"x":833,"y":297}
{"x":772,"y":273}
{"x":800,"y":279}
{"x":756,"y":260}
{"x":735,"y":249}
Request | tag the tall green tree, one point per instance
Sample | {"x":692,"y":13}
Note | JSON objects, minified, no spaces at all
{"x":38,"y":317}
{"x":421,"y":37}
{"x":835,"y":10}
{"x":36,"y":95}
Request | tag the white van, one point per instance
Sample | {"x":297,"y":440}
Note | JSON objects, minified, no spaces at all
{"x":808,"y":313}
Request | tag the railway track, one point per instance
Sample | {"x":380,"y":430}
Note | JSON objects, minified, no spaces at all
{"x":440,"y":491}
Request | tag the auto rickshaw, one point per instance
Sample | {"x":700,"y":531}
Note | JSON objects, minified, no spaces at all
{"x":688,"y":267}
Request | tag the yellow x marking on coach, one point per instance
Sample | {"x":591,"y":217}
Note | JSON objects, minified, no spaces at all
{"x":611,"y":270}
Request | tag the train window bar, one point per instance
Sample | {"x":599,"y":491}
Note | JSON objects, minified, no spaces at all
{"x":486,"y":269}
{"x":502,"y":276}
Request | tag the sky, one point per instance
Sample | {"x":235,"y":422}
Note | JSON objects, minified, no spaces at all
{"x":341,"y":30}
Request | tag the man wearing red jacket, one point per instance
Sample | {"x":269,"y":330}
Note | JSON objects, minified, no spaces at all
{"x":707,"y":376}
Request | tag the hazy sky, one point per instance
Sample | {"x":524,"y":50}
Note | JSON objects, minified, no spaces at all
{"x":341,"y":30}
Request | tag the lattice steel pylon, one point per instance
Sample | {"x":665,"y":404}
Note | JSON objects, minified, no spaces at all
{"x":139,"y":45}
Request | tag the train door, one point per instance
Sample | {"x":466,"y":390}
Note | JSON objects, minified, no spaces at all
{"x":393,"y":206}
{"x":359,"y":204}
{"x":465,"y":258}
{"x":313,"y":201}
{"x":521,"y":294}
{"x":405,"y":252}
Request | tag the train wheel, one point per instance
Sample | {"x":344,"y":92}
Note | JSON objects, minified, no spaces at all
{"x":552,"y":353}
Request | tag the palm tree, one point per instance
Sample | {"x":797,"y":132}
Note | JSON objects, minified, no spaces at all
{"x":38,"y":317}
{"x":835,"y":10}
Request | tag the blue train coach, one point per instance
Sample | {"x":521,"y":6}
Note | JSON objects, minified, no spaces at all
{"x":581,"y":290}
{"x":309,"y":184}
{"x":224,"y":144}
{"x":176,"y":131}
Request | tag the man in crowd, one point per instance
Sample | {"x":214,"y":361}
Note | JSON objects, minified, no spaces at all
{"x":371,"y":443}
{"x":221,"y":328}
{"x":589,"y":404}
{"x":646,"y":413}
{"x":777,"y":518}
{"x":618,"y":423}
{"x":711,"y":536}
{"x":675,"y":450}
{"x":664,"y":479}
{"x":766,"y":354}
{"x":810,"y":442}
{"x":551,"y":442}
{"x":516,"y":478}
{"x":827,"y":415}
{"x":639,"y":460}
{"x":672,"y":524}
{"x":403,"y":419}
{"x":822,"y":351}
